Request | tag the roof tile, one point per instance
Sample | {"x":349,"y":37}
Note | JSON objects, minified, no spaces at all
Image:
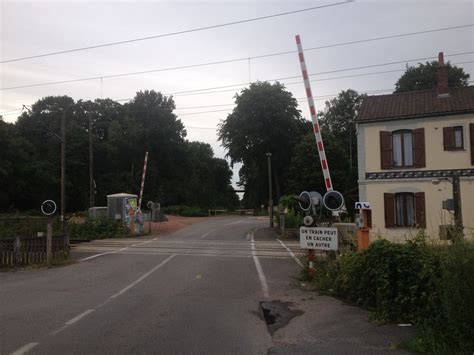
{"x":415,"y":104}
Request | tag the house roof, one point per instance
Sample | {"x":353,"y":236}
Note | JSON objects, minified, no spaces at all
{"x":416,"y":104}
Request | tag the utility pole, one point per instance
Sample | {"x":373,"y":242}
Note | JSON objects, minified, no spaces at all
{"x":91,"y":165}
{"x":457,"y":206}
{"x":63,"y":169}
{"x":270,"y":198}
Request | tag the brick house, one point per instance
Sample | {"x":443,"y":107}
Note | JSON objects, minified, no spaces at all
{"x":409,"y":146}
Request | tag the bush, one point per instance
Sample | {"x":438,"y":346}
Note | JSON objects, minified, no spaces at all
{"x":293,"y":219}
{"x":23,"y":226}
{"x":193,"y":212}
{"x":450,"y":317}
{"x":185,"y":211}
{"x":97,"y":229}
{"x":410,"y":283}
{"x":288,"y":201}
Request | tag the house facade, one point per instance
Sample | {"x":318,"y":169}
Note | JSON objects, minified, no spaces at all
{"x":410,"y":145}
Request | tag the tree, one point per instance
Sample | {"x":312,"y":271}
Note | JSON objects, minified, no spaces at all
{"x":424,"y":76}
{"x":339,"y":117}
{"x":265,"y":119}
{"x":337,"y":122}
{"x":179,"y":172}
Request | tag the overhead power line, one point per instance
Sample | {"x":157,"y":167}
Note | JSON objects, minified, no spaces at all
{"x":317,"y":98}
{"x":228,"y":61}
{"x":204,"y":91}
{"x":213,"y":90}
{"x":198,"y":29}
{"x":235,"y":59}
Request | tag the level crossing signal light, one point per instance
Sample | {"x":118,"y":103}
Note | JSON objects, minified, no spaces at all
{"x":311,"y":201}
{"x":333,"y":200}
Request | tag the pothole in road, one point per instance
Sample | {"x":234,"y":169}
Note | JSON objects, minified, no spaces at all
{"x":277,"y":314}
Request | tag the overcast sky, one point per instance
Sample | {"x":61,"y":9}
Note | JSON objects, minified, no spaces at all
{"x":37,"y":27}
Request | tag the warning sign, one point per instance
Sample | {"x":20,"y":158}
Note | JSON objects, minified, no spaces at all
{"x":319,"y":238}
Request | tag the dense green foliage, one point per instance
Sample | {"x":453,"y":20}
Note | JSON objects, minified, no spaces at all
{"x":265,"y":119}
{"x":410,"y":283}
{"x":424,"y":76}
{"x":294,"y":215}
{"x":185,"y":211}
{"x":337,"y":123}
{"x":97,"y":229}
{"x":179,"y":171}
{"x":26,"y":226}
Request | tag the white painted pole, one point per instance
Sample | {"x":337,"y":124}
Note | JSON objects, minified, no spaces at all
{"x":314,"y":118}
{"x":143,"y":182}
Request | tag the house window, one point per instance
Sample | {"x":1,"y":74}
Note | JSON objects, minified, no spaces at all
{"x":402,"y":143}
{"x":453,"y":138}
{"x":405,"y":210}
{"x":402,"y":149}
{"x":458,"y":141}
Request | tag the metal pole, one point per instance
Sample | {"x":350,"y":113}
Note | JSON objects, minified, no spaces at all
{"x":270,"y":197}
{"x":63,"y":169}
{"x":49,"y":241}
{"x":457,"y":206}
{"x":91,"y":165}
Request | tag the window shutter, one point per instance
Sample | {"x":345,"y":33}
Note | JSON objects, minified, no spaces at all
{"x":420,"y":214}
{"x":389,"y":206}
{"x":419,"y":160}
{"x":471,"y":133}
{"x":448,"y":138}
{"x":386,"y":158}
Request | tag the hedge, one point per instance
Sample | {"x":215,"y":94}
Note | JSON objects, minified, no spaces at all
{"x":432,"y":287}
{"x":97,"y":229}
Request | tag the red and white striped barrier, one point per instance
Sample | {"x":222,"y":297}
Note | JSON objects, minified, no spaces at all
{"x":143,"y":182}
{"x":314,"y":118}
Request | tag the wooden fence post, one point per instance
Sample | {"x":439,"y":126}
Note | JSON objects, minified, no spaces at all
{"x":17,"y":250}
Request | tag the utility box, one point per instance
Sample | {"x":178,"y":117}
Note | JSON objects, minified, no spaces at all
{"x":97,"y":212}
{"x":119,"y":205}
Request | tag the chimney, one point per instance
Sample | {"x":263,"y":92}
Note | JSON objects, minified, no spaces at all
{"x":442,"y":72}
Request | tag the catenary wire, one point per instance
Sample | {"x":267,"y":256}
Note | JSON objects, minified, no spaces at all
{"x":175,"y":33}
{"x":232,"y":60}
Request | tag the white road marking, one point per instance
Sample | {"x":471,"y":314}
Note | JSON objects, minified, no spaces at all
{"x":258,"y":266}
{"x":59,"y":330}
{"x":101,"y":254}
{"x":291,"y":253}
{"x":141,"y":278}
{"x":205,"y":235}
{"x":79,"y":317}
{"x":24,"y":349}
{"x":236,"y":222}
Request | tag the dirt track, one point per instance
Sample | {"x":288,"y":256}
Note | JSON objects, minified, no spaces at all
{"x":174,"y":223}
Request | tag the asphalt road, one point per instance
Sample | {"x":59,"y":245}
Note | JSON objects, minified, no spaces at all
{"x":206,"y":289}
{"x":196,"y":291}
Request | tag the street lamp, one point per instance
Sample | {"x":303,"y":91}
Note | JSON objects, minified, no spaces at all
{"x":270,"y":198}
{"x":455,"y":181}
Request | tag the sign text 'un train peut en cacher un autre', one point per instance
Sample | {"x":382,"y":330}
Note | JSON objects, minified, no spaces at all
{"x":319,"y":238}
